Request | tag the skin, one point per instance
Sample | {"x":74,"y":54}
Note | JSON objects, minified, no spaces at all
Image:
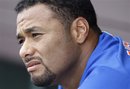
{"x":51,"y":53}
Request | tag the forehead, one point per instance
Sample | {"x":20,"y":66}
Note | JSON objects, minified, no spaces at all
{"x":38,"y":12}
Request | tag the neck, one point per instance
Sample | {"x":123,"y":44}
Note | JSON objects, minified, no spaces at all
{"x":72,"y":78}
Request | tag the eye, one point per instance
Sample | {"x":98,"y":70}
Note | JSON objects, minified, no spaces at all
{"x":20,"y":41}
{"x":36,"y":35}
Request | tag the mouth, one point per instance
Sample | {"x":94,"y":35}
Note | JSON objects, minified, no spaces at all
{"x":32,"y":65}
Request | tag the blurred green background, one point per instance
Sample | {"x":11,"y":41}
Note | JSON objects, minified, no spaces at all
{"x":14,"y":76}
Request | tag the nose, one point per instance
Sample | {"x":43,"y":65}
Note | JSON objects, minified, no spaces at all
{"x":26,"y":50}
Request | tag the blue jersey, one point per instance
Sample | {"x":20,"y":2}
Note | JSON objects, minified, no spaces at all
{"x":108,"y":66}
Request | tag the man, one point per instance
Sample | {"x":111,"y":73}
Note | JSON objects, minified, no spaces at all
{"x":61,"y":43}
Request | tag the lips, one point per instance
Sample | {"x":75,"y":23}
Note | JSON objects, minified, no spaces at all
{"x":32,"y":65}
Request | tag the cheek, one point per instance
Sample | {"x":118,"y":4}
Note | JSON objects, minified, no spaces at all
{"x":59,"y":58}
{"x":52,"y":53}
{"x":56,"y":53}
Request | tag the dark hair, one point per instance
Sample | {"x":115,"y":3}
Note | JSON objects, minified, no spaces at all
{"x":67,"y":10}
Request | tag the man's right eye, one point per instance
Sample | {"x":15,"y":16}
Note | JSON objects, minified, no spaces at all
{"x":21,"y":41}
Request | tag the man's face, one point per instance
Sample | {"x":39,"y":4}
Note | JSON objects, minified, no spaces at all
{"x":47,"y":49}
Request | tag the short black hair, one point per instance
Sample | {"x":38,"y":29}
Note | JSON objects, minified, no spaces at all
{"x":68,"y":10}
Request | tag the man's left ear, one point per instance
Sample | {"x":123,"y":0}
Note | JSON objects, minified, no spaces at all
{"x":80,"y":29}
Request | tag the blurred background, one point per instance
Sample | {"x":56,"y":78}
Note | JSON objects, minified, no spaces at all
{"x":113,"y":16}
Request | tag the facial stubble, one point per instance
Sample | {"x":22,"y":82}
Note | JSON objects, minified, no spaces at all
{"x":45,"y":79}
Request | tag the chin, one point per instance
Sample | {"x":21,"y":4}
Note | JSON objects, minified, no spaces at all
{"x":44,"y":79}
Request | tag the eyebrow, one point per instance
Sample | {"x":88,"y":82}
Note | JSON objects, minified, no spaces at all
{"x":18,"y":36}
{"x":31,"y":29}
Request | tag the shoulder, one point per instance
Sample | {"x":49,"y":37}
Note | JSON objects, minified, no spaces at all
{"x":106,"y":78}
{"x":109,"y":65}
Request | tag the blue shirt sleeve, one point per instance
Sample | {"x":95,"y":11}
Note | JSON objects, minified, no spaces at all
{"x":106,"y":78}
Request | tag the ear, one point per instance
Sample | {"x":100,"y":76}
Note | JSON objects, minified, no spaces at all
{"x":80,"y":30}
